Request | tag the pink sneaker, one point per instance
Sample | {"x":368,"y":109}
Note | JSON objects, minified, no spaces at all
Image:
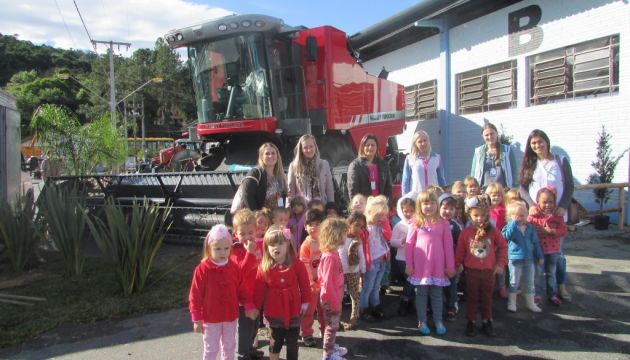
{"x":555,"y":300}
{"x":503,"y":292}
{"x":537,"y":299}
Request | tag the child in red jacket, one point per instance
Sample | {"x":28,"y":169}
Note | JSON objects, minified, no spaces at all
{"x":482,"y":252}
{"x":282,"y":285}
{"x":216,"y":291}
{"x":330,"y":274}
{"x":550,"y":229}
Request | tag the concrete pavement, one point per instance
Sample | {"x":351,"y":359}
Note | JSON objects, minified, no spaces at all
{"x":595,"y":325}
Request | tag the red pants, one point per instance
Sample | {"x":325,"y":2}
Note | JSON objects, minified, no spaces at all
{"x":479,"y":288}
{"x":308,"y":318}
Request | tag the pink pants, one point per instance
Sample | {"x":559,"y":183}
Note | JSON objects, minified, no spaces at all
{"x":308,"y":318}
{"x":219,"y":336}
{"x":331,"y":321}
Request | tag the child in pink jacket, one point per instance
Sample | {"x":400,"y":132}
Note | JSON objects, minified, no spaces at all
{"x":429,"y":260}
{"x":332,"y":235}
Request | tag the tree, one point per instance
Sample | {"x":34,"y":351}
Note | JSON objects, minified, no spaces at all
{"x":81,"y":147}
{"x":605,"y":164}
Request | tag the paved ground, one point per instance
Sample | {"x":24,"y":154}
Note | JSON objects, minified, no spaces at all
{"x":596,"y":325}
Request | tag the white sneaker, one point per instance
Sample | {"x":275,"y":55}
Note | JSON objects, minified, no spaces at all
{"x":333,"y":356}
{"x":340,"y":350}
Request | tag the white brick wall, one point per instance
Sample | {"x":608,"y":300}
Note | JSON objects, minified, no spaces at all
{"x":571,"y":125}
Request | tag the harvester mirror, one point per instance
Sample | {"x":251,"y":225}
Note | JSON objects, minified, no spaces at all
{"x":311,"y":48}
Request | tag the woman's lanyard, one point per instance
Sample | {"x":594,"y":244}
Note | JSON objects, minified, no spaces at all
{"x":425,"y":163}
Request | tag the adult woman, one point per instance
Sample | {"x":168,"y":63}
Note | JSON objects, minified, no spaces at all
{"x":310,"y":176}
{"x":423,"y":167}
{"x":493,"y":161}
{"x":541,"y":168}
{"x":265,"y":184}
{"x":368,"y":174}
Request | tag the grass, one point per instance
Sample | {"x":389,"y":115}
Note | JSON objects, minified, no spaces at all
{"x":93,"y":296}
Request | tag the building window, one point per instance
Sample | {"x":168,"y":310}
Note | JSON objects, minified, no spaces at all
{"x":583,"y":70}
{"x":421,"y":101}
{"x":486,"y":89}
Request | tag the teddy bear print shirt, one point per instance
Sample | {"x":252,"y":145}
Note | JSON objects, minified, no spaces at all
{"x":481,"y":251}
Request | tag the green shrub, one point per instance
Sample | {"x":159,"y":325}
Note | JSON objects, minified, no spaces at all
{"x":63,"y":208}
{"x":130,"y":238}
{"x":19,"y":231}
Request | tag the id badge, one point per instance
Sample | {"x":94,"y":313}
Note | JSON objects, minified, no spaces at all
{"x":493,"y":172}
{"x":373,"y":185}
{"x":280,"y":202}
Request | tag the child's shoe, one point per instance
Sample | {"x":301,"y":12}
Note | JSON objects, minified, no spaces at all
{"x":538,"y":300}
{"x":403,"y":307}
{"x":471,"y":329}
{"x":555,"y":300}
{"x":352,"y":325}
{"x":530,"y":303}
{"x":424,"y":329}
{"x":340,"y":350}
{"x":564,"y":294}
{"x":511,"y":304}
{"x":378,"y":312}
{"x":333,"y":356}
{"x":366,"y":315}
{"x":503,"y":292}
{"x":440,"y":329}
{"x":309,"y":341}
{"x":488,"y":329}
{"x":451,"y":314}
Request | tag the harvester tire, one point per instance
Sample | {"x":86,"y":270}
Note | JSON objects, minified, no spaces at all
{"x":337,"y":149}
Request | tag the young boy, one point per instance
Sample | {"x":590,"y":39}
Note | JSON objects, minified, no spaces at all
{"x":310,"y":256}
{"x":448,"y":210}
{"x":243,"y":249}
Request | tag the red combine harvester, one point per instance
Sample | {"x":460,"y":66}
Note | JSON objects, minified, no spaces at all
{"x":258,"y":80}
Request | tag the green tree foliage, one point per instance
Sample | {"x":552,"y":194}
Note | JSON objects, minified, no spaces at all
{"x":605,"y":164}
{"x":81,"y":147}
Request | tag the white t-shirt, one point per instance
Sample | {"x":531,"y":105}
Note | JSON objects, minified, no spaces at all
{"x":547,"y":172}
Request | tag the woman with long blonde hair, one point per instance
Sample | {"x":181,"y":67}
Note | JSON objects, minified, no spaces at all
{"x":309,"y":175}
{"x":423,"y":167}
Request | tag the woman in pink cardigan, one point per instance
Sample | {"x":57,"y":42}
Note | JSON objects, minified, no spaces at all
{"x":429,"y":260}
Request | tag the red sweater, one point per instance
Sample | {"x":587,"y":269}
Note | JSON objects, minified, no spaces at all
{"x":483,"y":253}
{"x":330,"y":274}
{"x":247,"y":263}
{"x":283,"y":290}
{"x":216,"y":291}
{"x":549,"y":240}
{"x":497,"y":213}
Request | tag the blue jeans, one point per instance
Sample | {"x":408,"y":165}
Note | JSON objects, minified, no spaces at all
{"x":370,"y":292}
{"x":422,"y":294}
{"x":408,"y":289}
{"x":549,"y":273}
{"x":522,"y":272}
{"x":451,"y":293}
{"x":561,"y":272}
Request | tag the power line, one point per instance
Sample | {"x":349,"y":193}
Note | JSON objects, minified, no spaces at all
{"x":83,"y":22}
{"x":65,"y":25}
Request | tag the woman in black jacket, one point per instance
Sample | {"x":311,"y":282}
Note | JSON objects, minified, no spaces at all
{"x":265,"y":184}
{"x":369,"y":174}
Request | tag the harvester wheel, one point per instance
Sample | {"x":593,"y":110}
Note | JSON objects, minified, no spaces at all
{"x":337,"y":149}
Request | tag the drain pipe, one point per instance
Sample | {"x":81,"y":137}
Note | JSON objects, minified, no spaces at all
{"x":444,"y":96}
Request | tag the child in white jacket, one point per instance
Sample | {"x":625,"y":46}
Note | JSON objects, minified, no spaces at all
{"x":406,"y":208}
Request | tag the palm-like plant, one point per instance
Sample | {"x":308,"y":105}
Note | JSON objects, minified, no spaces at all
{"x":19,"y":231}
{"x":130,"y":239}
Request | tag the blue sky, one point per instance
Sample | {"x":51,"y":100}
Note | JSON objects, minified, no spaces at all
{"x":141,"y":22}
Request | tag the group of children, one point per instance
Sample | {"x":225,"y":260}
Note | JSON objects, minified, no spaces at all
{"x":291,"y":264}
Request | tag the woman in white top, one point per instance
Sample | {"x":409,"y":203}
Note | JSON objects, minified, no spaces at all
{"x":309,"y":176}
{"x":423,"y":167}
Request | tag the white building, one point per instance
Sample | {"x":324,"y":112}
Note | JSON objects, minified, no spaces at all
{"x":562,"y":66}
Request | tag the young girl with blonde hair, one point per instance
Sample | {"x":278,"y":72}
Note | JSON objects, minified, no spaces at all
{"x":429,"y":260}
{"x":330,"y":274}
{"x":282,"y":285}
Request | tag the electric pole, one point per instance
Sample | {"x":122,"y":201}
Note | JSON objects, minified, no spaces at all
{"x":112,"y":83}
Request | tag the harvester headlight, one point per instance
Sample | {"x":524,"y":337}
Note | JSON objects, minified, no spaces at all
{"x":233,"y":25}
{"x":179,"y":37}
{"x":222,"y":27}
{"x":246,"y":23}
{"x":170,"y":38}
{"x":259,"y":23}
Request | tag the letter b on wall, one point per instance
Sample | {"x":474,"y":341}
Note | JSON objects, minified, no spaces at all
{"x":524,"y":34}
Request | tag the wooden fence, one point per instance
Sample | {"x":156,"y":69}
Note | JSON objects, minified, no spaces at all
{"x":621,"y":209}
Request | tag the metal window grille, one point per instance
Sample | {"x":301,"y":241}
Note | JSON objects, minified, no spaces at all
{"x":582,"y":70}
{"x":486,"y":89}
{"x":421,"y":101}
